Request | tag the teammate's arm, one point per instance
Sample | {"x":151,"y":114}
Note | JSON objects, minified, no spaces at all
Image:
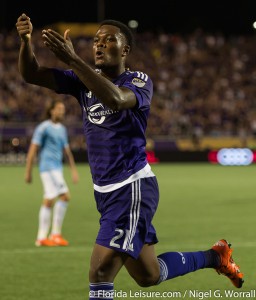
{"x":72,"y":164}
{"x":32,"y":152}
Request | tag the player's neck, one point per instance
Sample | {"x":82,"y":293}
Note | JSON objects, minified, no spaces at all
{"x":55,"y":121}
{"x":112,"y":73}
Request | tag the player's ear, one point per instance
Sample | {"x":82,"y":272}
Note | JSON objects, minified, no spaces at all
{"x":126,"y":50}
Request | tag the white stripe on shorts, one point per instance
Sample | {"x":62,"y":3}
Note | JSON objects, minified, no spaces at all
{"x":134,"y":214}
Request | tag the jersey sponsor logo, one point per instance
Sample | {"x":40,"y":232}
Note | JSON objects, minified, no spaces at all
{"x":97,"y":113}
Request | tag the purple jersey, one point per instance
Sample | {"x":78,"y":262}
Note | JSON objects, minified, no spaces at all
{"x":115,"y":139}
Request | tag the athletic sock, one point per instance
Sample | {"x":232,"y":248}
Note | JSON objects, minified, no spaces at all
{"x":44,"y":222}
{"x":212,"y":259}
{"x":101,"y":290}
{"x":59,"y":212}
{"x":174,"y":264}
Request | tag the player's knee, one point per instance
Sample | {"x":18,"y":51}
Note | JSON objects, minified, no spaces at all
{"x":65,"y":197}
{"x":99,"y":274}
{"x":147,"y":281}
{"x":48,"y":203}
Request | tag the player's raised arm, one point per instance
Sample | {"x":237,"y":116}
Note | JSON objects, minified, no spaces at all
{"x":28,"y":65}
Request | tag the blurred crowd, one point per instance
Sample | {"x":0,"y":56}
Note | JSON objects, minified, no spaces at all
{"x":204,"y":84}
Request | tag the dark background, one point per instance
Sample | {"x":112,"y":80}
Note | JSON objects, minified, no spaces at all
{"x":174,"y":16}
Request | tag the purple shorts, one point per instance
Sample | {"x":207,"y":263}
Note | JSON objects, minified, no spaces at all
{"x":126,"y":216}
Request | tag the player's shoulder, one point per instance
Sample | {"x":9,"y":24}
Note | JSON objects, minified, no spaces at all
{"x":138,"y":74}
{"x":46,"y":123}
{"x":43,"y":125}
{"x":64,"y":127}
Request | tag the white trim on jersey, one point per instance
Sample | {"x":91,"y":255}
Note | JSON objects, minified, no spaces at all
{"x":143,"y":173}
{"x":142,"y":76}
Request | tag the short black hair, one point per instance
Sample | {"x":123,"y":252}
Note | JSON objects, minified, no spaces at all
{"x":125,"y":30}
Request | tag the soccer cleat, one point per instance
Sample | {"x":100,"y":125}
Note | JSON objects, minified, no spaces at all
{"x":227,"y":265}
{"x":45,"y":243}
{"x":58,"y":240}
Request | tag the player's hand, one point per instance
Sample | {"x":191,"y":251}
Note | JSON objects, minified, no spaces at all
{"x":28,"y":178}
{"x":60,"y":45}
{"x":24,"y":27}
{"x":75,"y":176}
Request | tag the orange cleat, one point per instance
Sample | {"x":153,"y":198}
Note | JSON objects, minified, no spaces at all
{"x":58,"y":240}
{"x":227,"y":265}
{"x":45,"y":243}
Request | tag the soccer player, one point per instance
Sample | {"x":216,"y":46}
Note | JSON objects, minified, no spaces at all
{"x":115,"y":104}
{"x":50,"y":140}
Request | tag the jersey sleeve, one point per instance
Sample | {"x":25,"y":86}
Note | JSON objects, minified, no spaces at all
{"x":68,"y":82}
{"x":142,"y":86}
{"x":38,"y":134}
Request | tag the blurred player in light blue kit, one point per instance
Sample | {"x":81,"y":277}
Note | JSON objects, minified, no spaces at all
{"x":115,"y":104}
{"x":49,"y":141}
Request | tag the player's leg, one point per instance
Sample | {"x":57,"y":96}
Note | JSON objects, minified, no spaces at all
{"x":145,"y":270}
{"x":104,"y":265}
{"x":149,"y":270}
{"x":60,"y":208}
{"x":173,"y":264}
{"x":45,"y":212}
{"x":118,"y":236}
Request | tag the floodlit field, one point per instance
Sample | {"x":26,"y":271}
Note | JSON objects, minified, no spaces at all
{"x":199,"y":204}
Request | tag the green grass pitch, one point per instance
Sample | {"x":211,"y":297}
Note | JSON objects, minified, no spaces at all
{"x":199,"y":204}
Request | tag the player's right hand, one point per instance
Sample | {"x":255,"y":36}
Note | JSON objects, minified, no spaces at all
{"x":24,"y":27}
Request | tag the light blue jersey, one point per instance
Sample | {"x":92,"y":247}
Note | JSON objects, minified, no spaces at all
{"x":52,"y":139}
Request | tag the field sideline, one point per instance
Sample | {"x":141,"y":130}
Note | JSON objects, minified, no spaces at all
{"x":199,"y":204}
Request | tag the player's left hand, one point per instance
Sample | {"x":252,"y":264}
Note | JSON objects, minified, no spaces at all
{"x":60,"y":45}
{"x":28,"y":177}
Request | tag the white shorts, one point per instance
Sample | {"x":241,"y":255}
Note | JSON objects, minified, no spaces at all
{"x":53,"y":183}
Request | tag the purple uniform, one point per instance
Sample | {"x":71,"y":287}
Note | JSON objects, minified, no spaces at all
{"x":116,"y":153}
{"x":115,"y":139}
{"x":126,"y":215}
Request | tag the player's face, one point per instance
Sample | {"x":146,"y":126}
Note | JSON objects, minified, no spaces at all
{"x":58,"y":112}
{"x":108,"y":47}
